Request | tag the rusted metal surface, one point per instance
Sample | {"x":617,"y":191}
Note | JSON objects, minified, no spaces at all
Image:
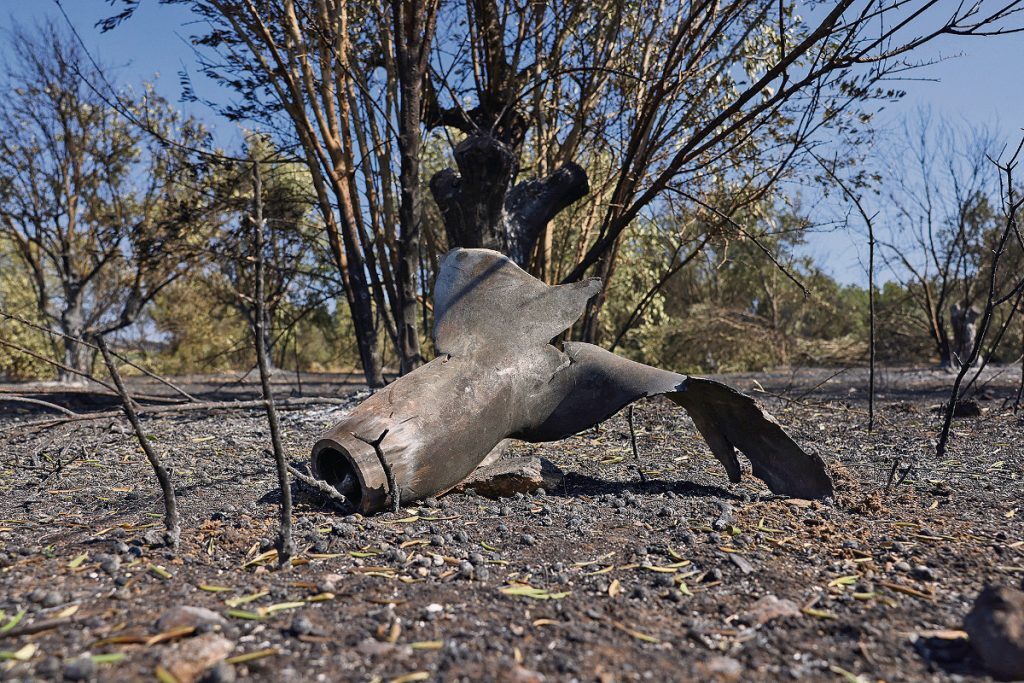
{"x":498,"y":376}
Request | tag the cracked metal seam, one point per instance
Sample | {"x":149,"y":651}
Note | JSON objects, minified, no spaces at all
{"x":393,"y":490}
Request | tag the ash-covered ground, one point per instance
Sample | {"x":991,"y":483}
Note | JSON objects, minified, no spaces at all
{"x":605,"y":578}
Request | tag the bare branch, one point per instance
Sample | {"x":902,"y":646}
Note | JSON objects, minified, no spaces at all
{"x":171,"y":521}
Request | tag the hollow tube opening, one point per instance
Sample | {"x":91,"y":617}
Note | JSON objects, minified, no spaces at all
{"x":337,"y":469}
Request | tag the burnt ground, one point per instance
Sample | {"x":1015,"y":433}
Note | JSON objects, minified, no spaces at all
{"x":659,"y":580}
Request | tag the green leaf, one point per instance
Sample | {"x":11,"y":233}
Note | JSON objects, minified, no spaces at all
{"x":14,"y":621}
{"x":242,"y":614}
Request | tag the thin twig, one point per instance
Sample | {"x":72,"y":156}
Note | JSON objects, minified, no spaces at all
{"x":750,"y":236}
{"x":638,"y":310}
{"x":126,"y":361}
{"x":906,"y":473}
{"x":869,"y":222}
{"x":892,"y":474}
{"x":61,"y":464}
{"x":56,"y":364}
{"x":322,"y":488}
{"x":1020,"y":387}
{"x":285,"y":547}
{"x":40,"y":626}
{"x":632,"y":443}
{"x":170,"y":502}
{"x":183,"y":408}
{"x":37,"y":402}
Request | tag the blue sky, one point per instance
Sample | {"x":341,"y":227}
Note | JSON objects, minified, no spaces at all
{"x":979,"y":80}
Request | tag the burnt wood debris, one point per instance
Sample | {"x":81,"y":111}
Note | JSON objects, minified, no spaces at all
{"x":498,"y":375}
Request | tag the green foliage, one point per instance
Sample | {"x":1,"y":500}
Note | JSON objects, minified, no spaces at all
{"x":201,"y":334}
{"x":101,"y":212}
{"x":732,"y":308}
{"x":17,"y":298}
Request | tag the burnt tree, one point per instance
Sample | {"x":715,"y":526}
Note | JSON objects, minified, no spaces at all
{"x":482,"y":204}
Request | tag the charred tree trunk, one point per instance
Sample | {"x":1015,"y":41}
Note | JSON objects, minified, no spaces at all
{"x":249,"y":312}
{"x":77,"y":355}
{"x":481,"y":203}
{"x":414,"y":29}
{"x":964,"y":321}
{"x":360,"y":301}
{"x":483,"y":207}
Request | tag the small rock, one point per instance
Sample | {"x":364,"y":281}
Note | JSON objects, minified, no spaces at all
{"x":221,"y":673}
{"x":741,"y":562}
{"x":712,"y":575}
{"x":769,"y":608}
{"x":49,"y":668}
{"x":188,"y":659}
{"x":687,"y":538}
{"x":527,"y":539}
{"x":725,"y":669}
{"x":518,"y":674}
{"x":186,"y":615}
{"x":638,"y":593}
{"x":376,"y":648}
{"x":109,"y":563}
{"x":510,"y":476}
{"x":154,"y":538}
{"x":996,"y":628}
{"x":664,"y":581}
{"x":328,"y":583}
{"x":52,"y":599}
{"x":301,"y":626}
{"x":922,"y":573}
{"x":79,"y":669}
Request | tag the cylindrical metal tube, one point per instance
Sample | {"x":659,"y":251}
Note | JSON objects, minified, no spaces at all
{"x":419,"y":436}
